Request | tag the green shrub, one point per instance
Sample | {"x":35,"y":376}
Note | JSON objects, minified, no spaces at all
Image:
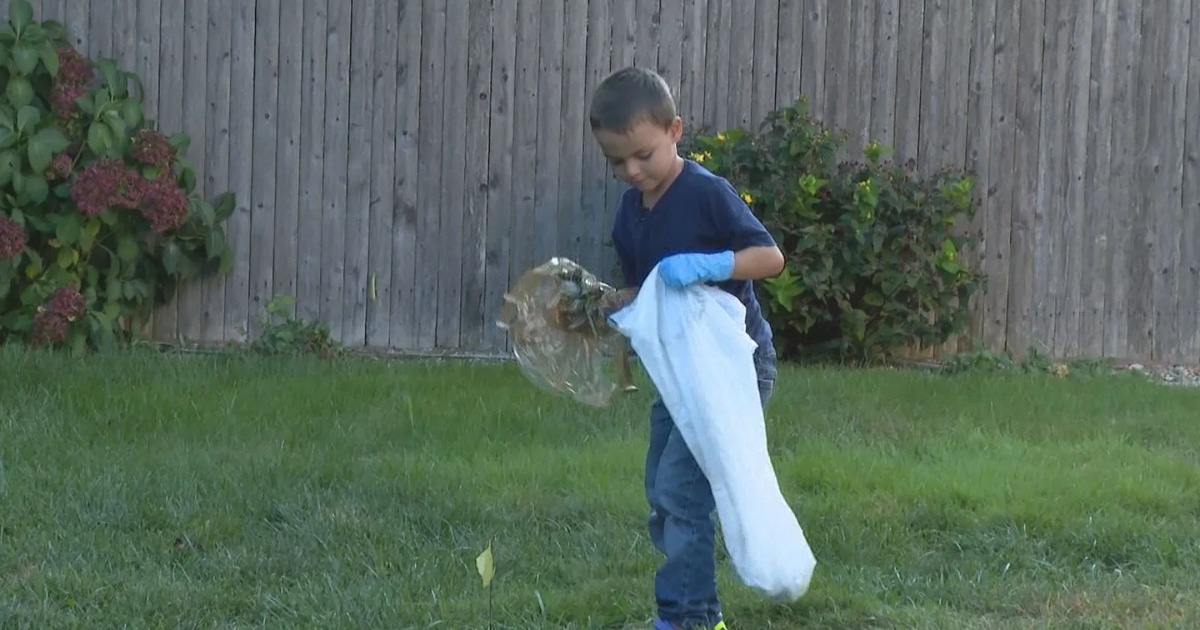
{"x":873,"y":260}
{"x":99,"y":215}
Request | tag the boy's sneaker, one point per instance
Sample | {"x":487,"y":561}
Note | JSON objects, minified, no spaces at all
{"x":659,"y":624}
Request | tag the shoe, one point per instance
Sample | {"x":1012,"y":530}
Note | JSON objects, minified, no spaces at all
{"x":660,"y":624}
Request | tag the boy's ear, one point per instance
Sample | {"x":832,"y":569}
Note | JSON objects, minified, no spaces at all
{"x":676,"y":129}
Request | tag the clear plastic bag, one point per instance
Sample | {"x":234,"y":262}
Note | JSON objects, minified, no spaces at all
{"x":558,"y":338}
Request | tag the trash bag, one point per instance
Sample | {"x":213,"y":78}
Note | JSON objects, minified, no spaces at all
{"x":559,"y":336}
{"x":692,"y":342}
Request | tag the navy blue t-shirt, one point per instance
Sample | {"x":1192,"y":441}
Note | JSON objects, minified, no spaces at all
{"x":700,"y":212}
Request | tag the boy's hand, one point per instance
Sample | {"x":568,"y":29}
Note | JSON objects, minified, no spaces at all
{"x":682,"y":270}
{"x":603,"y":308}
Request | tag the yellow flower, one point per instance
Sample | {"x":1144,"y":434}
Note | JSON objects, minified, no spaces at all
{"x":700,"y":156}
{"x":747,"y":197}
{"x":720,"y":137}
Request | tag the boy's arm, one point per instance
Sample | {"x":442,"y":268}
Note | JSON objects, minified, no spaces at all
{"x":751,"y":253}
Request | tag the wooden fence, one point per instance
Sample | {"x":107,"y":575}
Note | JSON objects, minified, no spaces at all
{"x":398,"y":163}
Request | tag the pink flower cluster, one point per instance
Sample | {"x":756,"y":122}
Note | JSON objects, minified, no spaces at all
{"x":60,"y":167}
{"x":53,"y":318}
{"x":74,"y":75}
{"x":108,"y":183}
{"x":12,"y":239}
{"x":151,"y":147}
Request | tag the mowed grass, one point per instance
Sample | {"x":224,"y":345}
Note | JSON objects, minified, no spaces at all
{"x":152,"y":491}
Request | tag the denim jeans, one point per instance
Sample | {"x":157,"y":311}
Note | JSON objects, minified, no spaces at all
{"x":682,"y":524}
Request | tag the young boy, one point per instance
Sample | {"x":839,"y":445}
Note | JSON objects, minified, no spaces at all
{"x":693,"y":222}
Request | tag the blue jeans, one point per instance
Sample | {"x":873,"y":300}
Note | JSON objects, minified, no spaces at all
{"x":682,"y":525}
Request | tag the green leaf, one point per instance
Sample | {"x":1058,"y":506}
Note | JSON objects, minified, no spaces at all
{"x":49,"y":57}
{"x":180,"y":142}
{"x":67,"y":256}
{"x":127,"y":247}
{"x":100,"y":139}
{"x":131,"y":113}
{"x":39,"y":155}
{"x":226,"y":203}
{"x":69,"y":229}
{"x":28,"y":117}
{"x":19,"y":91}
{"x":7,"y":138}
{"x":214,"y":242}
{"x":36,"y":188}
{"x":6,"y":118}
{"x":55,"y":140}
{"x":20,"y":15}
{"x":25,"y":58}
{"x":226,"y":265}
{"x":10,"y":164}
{"x":114,"y":79}
{"x":172,"y":254}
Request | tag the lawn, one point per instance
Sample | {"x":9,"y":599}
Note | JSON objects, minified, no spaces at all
{"x":154,"y":491}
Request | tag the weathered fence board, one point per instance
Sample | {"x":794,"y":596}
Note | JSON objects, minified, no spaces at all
{"x":398,"y":164}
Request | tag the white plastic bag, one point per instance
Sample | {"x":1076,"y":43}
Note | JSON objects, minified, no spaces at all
{"x":693,"y":344}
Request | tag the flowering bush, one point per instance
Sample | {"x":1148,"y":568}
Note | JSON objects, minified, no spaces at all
{"x":99,"y":215}
{"x":872,"y":254}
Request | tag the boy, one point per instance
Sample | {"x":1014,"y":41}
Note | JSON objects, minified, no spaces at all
{"x":693,"y":222}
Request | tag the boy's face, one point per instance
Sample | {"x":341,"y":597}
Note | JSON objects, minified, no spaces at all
{"x":643,"y":157}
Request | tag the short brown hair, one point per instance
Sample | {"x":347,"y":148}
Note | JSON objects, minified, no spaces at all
{"x":630,"y":96}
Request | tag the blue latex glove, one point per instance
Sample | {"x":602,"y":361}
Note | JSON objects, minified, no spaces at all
{"x":682,"y":270}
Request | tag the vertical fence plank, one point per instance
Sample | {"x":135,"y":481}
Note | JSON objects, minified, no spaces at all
{"x":474,"y":272}
{"x":1047,"y":229}
{"x":288,"y":120}
{"x":790,"y":59}
{"x":262,"y":196}
{"x":691,"y":72}
{"x":934,"y":126}
{"x":1078,"y":111}
{"x":125,"y":35}
{"x":595,"y":204}
{"x":571,"y":149}
{"x":1125,"y":159}
{"x":190,"y":297}
{"x":170,"y":120}
{"x":1171,"y":85}
{"x":1150,"y":107}
{"x":812,"y":48}
{"x":647,"y":14}
{"x":357,"y":216}
{"x":241,"y":153}
{"x":550,"y":128}
{"x":766,"y":59}
{"x":979,"y":140}
{"x":525,"y":135}
{"x":382,"y":203}
{"x":500,"y":169}
{"x":309,"y":241}
{"x":99,"y":27}
{"x":405,"y":264}
{"x":1189,"y":234}
{"x":884,"y":81}
{"x":835,"y":106}
{"x":716,"y":65}
{"x":1097,"y":213}
{"x":1000,"y":165}
{"x":670,"y":47}
{"x":216,"y":152}
{"x":433,"y":70}
{"x":1025,"y":175}
{"x":453,"y":171}
{"x":860,"y":71}
{"x":910,"y":52}
{"x":741,"y":66}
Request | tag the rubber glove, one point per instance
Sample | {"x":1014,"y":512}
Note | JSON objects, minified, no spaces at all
{"x":682,"y":270}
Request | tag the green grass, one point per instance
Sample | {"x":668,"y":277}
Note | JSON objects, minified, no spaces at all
{"x":226,"y":491}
